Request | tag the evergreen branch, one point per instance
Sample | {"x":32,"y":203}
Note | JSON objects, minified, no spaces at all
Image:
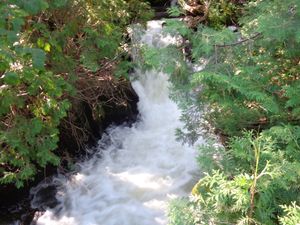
{"x":239,"y":42}
{"x":263,"y":172}
{"x":257,"y":150}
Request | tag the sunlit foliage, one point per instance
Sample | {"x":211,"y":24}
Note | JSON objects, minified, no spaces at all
{"x":249,"y":93}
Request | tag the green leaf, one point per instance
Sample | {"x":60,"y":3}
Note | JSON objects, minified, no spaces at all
{"x":89,"y":59}
{"x":40,"y":43}
{"x":37,"y":126}
{"x":58,"y":3}
{"x":11,"y":78}
{"x":17,"y":23}
{"x":298,"y":35}
{"x":38,"y":58}
{"x":47,"y":47}
{"x":175,"y":11}
{"x":33,"y":6}
{"x":12,"y":36}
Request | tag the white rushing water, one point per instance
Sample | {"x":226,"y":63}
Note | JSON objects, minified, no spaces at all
{"x":140,"y":170}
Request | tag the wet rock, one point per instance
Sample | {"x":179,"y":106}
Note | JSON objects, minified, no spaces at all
{"x":44,"y":196}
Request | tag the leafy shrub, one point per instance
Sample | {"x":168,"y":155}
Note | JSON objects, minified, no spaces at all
{"x":292,"y":215}
{"x":248,"y":91}
{"x":181,"y":211}
{"x":250,"y":76}
{"x":42,"y":46}
{"x":222,"y":12}
{"x":31,"y":99}
{"x":217,"y":13}
{"x":258,"y":176}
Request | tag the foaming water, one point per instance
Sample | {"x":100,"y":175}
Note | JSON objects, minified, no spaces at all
{"x":141,"y":169}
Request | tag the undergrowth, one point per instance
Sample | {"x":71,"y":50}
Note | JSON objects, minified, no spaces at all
{"x":54,"y":54}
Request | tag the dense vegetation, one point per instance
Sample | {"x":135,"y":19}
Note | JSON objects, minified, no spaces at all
{"x":248,"y":93}
{"x":51,"y":50}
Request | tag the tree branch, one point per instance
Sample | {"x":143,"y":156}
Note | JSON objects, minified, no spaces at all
{"x":239,"y":42}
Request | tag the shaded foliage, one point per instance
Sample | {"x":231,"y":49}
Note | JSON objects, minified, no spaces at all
{"x":43,"y":45}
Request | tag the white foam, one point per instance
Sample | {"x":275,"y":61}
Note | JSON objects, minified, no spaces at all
{"x":140,"y":172}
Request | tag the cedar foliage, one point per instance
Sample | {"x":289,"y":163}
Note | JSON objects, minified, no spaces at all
{"x":249,"y":93}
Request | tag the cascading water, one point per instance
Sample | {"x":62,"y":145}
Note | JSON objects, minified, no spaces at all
{"x":141,"y":169}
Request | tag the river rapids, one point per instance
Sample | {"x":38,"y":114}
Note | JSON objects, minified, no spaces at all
{"x":137,"y":170}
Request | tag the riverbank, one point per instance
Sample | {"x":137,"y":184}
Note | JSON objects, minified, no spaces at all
{"x":15,"y":203}
{"x":101,"y":100}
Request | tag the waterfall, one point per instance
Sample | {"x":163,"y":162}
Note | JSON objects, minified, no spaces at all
{"x":137,"y":170}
